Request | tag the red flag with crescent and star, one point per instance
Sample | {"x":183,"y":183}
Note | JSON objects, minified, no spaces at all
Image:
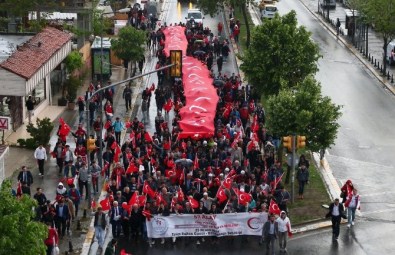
{"x":221,"y":195}
{"x":148,"y":190}
{"x":273,"y":208}
{"x":105,"y":204}
{"x":194,"y":202}
{"x":228,"y":182}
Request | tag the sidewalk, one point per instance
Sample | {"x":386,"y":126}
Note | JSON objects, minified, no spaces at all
{"x":375,"y":41}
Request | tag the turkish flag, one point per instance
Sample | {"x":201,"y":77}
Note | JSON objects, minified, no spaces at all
{"x":134,"y":199}
{"x":105,"y":204}
{"x":244,"y":198}
{"x":228,"y":182}
{"x":173,"y":202}
{"x":221,"y":195}
{"x":142,"y":200}
{"x":168,"y":105}
{"x":273,"y":208}
{"x":160,"y":199}
{"x":148,"y":190}
{"x":194,"y":202}
{"x":64,"y":128}
{"x":180,"y":195}
{"x":132,"y":168}
{"x":117,"y":151}
{"x":232,"y":173}
{"x":196,"y":162}
{"x":169,"y":173}
{"x":107,"y":125}
{"x":147,"y":214}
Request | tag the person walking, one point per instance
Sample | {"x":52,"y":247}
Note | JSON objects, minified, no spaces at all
{"x":40,"y":154}
{"x":127,"y":95}
{"x":62,"y":215}
{"x":84,"y":180}
{"x":270,"y":234}
{"x":100,"y":226}
{"x":30,"y":108}
{"x":220,"y":61}
{"x":75,"y":197}
{"x":52,"y":240}
{"x":336,"y":212}
{"x":118,"y":126}
{"x":352,"y":203}
{"x":284,"y":227}
{"x":115,"y":219}
{"x":303,"y":178}
{"x":338,"y":24}
{"x":25,"y":176}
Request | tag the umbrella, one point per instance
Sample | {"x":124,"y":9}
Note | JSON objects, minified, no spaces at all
{"x":199,"y":52}
{"x":218,"y":83}
{"x":184,"y":161}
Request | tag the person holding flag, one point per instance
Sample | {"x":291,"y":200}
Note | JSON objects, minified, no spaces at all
{"x":284,"y":230}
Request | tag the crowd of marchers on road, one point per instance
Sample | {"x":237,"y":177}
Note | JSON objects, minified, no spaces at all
{"x":160,"y":174}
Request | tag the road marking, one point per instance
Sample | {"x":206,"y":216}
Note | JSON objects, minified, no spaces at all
{"x":378,"y":211}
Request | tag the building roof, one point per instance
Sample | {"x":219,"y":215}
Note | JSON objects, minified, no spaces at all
{"x":33,"y":54}
{"x":8,"y":44}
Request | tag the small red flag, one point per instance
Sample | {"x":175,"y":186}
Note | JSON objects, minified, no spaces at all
{"x":134,"y":199}
{"x":147,"y":137}
{"x":228,"y":182}
{"x":221,"y":195}
{"x":105,"y":167}
{"x":148,"y":190}
{"x":142,"y":200}
{"x":19,"y":189}
{"x":123,"y":252}
{"x":273,"y":208}
{"x":194,"y":202}
{"x":147,"y":214}
{"x":132,"y":168}
{"x":105,"y":204}
{"x":180,"y":195}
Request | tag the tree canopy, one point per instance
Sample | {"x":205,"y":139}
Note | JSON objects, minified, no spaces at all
{"x":304,"y":111}
{"x":130,"y":44}
{"x":281,"y":55}
{"x":20,"y":234}
{"x":381,"y":13}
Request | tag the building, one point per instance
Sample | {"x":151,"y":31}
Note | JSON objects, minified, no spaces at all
{"x":27,"y":71}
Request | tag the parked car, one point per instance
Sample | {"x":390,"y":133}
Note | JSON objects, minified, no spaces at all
{"x":269,"y":11}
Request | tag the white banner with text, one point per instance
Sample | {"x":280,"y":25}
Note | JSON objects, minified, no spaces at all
{"x":230,"y":224}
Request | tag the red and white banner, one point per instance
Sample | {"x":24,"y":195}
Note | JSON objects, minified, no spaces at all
{"x":228,"y":224}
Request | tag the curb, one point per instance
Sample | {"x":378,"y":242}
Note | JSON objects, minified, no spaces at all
{"x":355,"y":52}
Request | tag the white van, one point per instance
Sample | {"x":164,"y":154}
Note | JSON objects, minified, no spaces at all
{"x":196,"y":15}
{"x":269,"y":11}
{"x":390,"y":53}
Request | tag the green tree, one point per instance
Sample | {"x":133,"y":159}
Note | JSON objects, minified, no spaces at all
{"x":100,"y":24}
{"x":381,"y":13}
{"x":304,"y":111}
{"x":129,"y":45}
{"x":215,"y":6}
{"x":281,"y":55}
{"x":20,"y":234}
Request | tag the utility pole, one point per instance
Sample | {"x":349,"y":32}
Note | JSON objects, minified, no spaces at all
{"x":293,"y":168}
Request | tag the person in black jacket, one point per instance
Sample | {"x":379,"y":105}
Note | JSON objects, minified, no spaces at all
{"x":30,"y":107}
{"x":25,"y":176}
{"x":336,"y":212}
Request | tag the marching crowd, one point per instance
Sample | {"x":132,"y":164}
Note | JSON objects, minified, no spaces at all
{"x":235,"y":170}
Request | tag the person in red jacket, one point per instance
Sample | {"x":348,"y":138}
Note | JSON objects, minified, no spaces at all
{"x":346,"y":190}
{"x":52,"y":240}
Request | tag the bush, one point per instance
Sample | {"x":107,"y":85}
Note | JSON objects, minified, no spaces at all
{"x":41,"y":133}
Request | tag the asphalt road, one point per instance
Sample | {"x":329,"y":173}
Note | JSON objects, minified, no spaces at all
{"x":362,"y":153}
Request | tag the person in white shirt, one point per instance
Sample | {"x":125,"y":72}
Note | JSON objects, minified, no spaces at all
{"x":352,"y":203}
{"x":284,"y":226}
{"x":40,"y":154}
